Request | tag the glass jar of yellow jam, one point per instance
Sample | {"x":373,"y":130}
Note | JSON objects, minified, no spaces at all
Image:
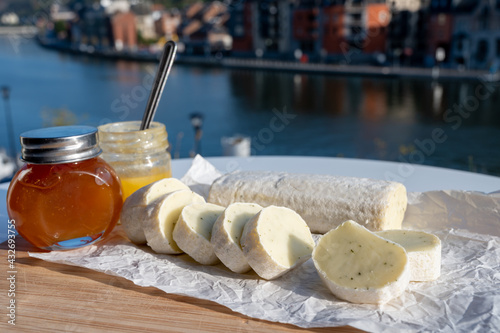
{"x":139,"y":157}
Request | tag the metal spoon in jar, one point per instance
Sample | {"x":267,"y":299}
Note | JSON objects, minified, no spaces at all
{"x":166,"y":62}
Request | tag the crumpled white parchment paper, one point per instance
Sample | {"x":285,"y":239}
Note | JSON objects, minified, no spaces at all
{"x":465,"y":298}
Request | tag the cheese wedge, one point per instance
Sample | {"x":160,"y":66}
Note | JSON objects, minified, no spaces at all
{"x":359,"y":266}
{"x":161,"y":217}
{"x":134,"y":207}
{"x":423,"y":249}
{"x":275,"y":241}
{"x":323,"y":201}
{"x":226,"y":235}
{"x":193,"y":231}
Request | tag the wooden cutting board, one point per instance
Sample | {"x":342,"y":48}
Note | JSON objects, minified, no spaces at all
{"x":52,"y":297}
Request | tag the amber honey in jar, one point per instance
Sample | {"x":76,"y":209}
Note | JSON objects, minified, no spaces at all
{"x":140,"y":157}
{"x":65,"y":196}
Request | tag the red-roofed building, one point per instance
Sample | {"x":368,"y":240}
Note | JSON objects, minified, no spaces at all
{"x":124,"y":31}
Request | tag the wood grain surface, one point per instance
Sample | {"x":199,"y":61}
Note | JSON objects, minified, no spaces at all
{"x":52,"y":297}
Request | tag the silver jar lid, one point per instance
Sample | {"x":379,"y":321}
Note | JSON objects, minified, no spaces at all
{"x":62,"y":144}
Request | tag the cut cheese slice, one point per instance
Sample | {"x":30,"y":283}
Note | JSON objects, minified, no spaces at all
{"x":226,"y":235}
{"x":323,"y":201}
{"x":361,"y":267}
{"x":193,"y":231}
{"x":423,"y":249}
{"x":134,"y":207}
{"x":161,"y":217}
{"x":275,"y":241}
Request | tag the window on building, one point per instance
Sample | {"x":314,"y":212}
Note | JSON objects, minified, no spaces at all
{"x":441,"y":19}
{"x":307,"y":46}
{"x":460,"y":42}
{"x":271,"y":45}
{"x":484,"y":19}
{"x":355,"y":29}
{"x":239,"y":31}
{"x":482,"y":50}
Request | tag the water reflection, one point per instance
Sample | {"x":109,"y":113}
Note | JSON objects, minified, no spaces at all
{"x":369,"y":99}
{"x":376,"y":118}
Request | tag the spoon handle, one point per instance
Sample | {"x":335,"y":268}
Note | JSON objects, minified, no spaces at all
{"x":166,"y":61}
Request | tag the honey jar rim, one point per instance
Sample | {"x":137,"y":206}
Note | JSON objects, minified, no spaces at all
{"x":60,"y":144}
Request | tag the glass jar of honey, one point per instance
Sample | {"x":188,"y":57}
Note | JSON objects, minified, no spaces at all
{"x":140,"y":157}
{"x":65,"y":196}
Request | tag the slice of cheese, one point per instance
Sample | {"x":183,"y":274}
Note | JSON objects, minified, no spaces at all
{"x":226,"y":235}
{"x":361,"y":267}
{"x":275,"y":241}
{"x":134,"y":208}
{"x":161,"y":217}
{"x":193,"y":231}
{"x":424,"y":252}
{"x":323,"y":201}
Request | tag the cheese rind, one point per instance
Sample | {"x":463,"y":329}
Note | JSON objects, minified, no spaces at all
{"x":193,"y":231}
{"x":275,"y":241}
{"x":161,"y":217}
{"x":423,"y":249}
{"x":323,"y":201}
{"x":359,"y":266}
{"x":226,"y":235}
{"x":135,"y":206}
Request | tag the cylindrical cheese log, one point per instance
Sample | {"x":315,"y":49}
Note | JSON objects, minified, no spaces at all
{"x":323,"y":201}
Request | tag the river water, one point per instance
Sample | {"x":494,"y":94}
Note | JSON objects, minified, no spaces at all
{"x":452,"y":124}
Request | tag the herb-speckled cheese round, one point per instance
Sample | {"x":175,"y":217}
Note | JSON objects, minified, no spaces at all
{"x":193,"y":231}
{"x":359,"y":266}
{"x":423,"y":249}
{"x":226,"y":235}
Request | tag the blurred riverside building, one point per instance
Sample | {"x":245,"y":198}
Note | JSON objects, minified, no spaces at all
{"x":440,"y":31}
{"x":463,"y":34}
{"x":92,"y":28}
{"x":103,"y":27}
{"x":167,"y":24}
{"x":466,"y":32}
{"x":408,"y":40}
{"x":202,"y":30}
{"x":119,"y":25}
{"x":476,"y":35}
{"x":350,"y":30}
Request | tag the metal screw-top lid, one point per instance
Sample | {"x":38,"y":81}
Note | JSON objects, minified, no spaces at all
{"x":63,"y":144}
